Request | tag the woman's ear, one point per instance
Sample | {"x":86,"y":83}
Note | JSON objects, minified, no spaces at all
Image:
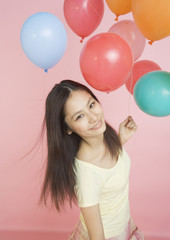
{"x":67,"y":129}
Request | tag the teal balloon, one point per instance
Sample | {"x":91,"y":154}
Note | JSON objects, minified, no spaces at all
{"x":152,"y":93}
{"x":43,"y":39}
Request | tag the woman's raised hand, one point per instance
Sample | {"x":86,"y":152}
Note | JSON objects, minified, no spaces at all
{"x":126,"y":129}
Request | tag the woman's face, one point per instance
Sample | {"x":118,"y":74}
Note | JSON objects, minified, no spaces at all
{"x":84,"y":115}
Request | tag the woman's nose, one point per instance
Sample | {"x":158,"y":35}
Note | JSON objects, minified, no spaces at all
{"x":92,"y":117}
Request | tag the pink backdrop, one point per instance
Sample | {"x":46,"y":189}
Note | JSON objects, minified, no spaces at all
{"x":24,"y":88}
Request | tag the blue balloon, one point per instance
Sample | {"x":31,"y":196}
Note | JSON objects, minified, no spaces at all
{"x":43,"y":39}
{"x":152,"y":93}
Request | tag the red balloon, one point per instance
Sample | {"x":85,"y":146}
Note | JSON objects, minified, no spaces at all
{"x":139,"y":69}
{"x":106,"y":61}
{"x":83,"y":16}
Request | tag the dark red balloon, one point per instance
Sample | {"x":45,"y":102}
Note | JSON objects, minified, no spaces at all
{"x":83,"y":16}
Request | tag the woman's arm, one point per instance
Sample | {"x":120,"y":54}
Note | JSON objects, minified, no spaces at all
{"x":126,"y":129}
{"x":93,"y":222}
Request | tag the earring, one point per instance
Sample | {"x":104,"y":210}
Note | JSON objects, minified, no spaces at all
{"x":69,"y":132}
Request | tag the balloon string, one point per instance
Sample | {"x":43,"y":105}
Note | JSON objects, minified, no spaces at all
{"x":95,"y":10}
{"x":99,"y":15}
{"x":133,"y":140}
{"x":45,"y":78}
{"x":131,"y":91}
{"x":69,"y":71}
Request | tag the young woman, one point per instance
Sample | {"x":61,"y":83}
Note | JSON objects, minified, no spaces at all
{"x":87,"y":164}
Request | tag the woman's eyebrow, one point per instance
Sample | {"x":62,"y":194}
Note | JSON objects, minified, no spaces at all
{"x":82,"y":110}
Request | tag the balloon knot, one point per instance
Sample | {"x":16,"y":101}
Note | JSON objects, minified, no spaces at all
{"x":46,"y":70}
{"x":150,"y":42}
{"x":116,"y":19}
{"x":82,"y":39}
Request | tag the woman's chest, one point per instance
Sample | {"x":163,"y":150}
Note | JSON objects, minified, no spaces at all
{"x":117,"y":179}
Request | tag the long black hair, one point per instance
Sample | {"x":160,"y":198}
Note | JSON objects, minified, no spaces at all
{"x":60,"y":179}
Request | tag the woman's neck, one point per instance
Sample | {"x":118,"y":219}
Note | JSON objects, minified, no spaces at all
{"x":93,"y":142}
{"x":92,"y":147}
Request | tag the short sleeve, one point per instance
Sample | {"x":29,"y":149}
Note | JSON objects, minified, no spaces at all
{"x":87,"y":188}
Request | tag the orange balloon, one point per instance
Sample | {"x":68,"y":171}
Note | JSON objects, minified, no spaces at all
{"x":119,"y":7}
{"x":152,"y":17}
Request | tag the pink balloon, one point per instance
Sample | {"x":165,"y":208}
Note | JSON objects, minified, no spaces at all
{"x":106,"y":61}
{"x":139,"y":69}
{"x":83,"y":16}
{"x":128,"y":30}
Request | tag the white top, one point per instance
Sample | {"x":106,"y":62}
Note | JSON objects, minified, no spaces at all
{"x":107,"y":187}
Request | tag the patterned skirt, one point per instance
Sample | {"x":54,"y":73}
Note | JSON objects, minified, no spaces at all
{"x":131,"y":233}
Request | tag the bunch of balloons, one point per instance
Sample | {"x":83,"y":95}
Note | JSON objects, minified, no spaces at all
{"x":107,"y":60}
{"x":152,"y":17}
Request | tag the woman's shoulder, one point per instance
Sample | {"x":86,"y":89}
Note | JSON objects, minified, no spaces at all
{"x":87,"y":173}
{"x":83,"y":166}
{"x":124,"y":153}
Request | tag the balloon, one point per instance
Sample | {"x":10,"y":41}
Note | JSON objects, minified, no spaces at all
{"x":119,"y":7}
{"x":139,"y":69}
{"x":83,"y":16}
{"x":130,"y":33}
{"x":152,"y":18}
{"x":152,"y":93}
{"x":43,"y":39}
{"x":106,"y":61}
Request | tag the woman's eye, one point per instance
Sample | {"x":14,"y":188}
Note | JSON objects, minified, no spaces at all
{"x":79,"y":116}
{"x":92,"y":104}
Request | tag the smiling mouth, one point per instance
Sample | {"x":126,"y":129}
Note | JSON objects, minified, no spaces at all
{"x":97,"y":126}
